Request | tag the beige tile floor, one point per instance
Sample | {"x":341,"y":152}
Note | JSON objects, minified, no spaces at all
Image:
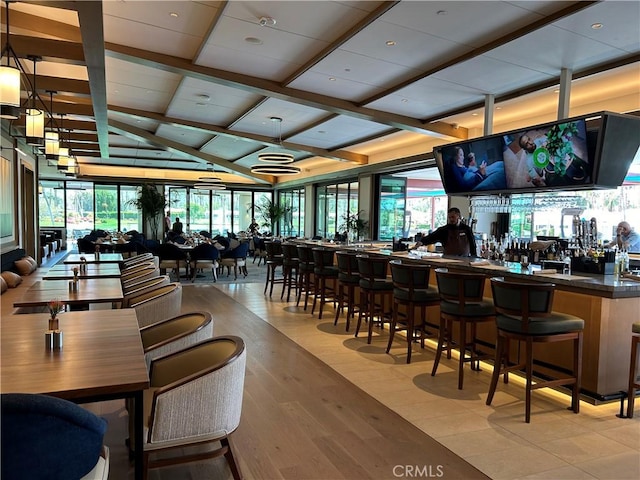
{"x":557,"y":444}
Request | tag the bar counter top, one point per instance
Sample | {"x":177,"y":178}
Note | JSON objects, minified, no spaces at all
{"x":606,"y":286}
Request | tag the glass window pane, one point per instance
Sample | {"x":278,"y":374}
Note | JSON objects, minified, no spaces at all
{"x":220,"y":212}
{"x":106,"y":204}
{"x":199,"y":209}
{"x":80,"y":220}
{"x":178,"y":205}
{"x":242,"y":208}
{"x":130,"y":216}
{"x":51,"y":201}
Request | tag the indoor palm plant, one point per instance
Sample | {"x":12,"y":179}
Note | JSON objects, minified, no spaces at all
{"x":355,"y":226}
{"x":271,"y":213}
{"x":152,"y":204}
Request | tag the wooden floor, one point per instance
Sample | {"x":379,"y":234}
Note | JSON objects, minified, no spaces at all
{"x":321,"y":404}
{"x":300,"y":419}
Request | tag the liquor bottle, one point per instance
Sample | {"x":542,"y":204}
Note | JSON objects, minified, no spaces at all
{"x":515,"y":252}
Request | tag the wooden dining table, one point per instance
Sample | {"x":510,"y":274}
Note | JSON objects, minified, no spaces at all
{"x":93,"y":270}
{"x":96,"y":290}
{"x":101,"y":359}
{"x":91,"y":258}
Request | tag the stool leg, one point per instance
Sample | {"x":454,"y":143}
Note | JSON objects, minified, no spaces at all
{"x":577,"y":371}
{"x":410,"y":324}
{"x":631,"y":394}
{"x":363,"y":302}
{"x":441,"y":339}
{"x":392,"y":328}
{"x":266,"y":285}
{"x":463,"y":349}
{"x":372,"y":312}
{"x":497,"y":367}
{"x":529,"y":374}
{"x":340,"y":307}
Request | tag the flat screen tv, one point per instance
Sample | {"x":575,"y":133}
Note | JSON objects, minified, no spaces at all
{"x":553,"y":156}
{"x":619,"y":146}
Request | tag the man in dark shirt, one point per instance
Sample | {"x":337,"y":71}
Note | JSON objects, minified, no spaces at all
{"x":177,"y":226}
{"x":455,"y":237}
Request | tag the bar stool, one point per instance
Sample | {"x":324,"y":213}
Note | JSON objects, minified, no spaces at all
{"x":323,"y":270}
{"x":461,"y":300}
{"x":274,"y":260}
{"x":348,"y":280}
{"x":524,"y":314}
{"x":375,"y":291}
{"x":305,"y":270}
{"x":289,"y":268}
{"x":411,"y":289}
{"x":633,"y":382}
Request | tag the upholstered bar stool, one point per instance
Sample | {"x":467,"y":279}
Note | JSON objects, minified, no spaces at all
{"x":524,"y":314}
{"x":275,"y":259}
{"x":376,"y":291}
{"x":411,"y":290}
{"x":461,"y":300}
{"x":348,"y":281}
{"x":305,"y":272}
{"x":289,"y":269}
{"x":633,"y":382}
{"x":325,"y":276}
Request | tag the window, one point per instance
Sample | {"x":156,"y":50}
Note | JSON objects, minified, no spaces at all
{"x":80,"y":212}
{"x":106,"y":207}
{"x":333,"y":202}
{"x":293,"y":223}
{"x":51,"y":201}
{"x":130,"y":216}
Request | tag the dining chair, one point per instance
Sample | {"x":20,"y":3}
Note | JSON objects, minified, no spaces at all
{"x":45,"y":437}
{"x":462,"y":301}
{"x":524,"y":314}
{"x":173,"y":334}
{"x":236,"y":258}
{"x":173,"y":257}
{"x":411,"y":290}
{"x":158,"y":304}
{"x":195,"y":398}
{"x":204,"y":255}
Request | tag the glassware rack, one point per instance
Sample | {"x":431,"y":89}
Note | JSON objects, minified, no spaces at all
{"x":524,"y":203}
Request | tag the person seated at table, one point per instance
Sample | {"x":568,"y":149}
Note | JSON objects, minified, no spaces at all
{"x":177,"y":226}
{"x":173,"y":237}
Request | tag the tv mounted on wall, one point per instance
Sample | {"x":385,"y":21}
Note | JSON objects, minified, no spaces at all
{"x":555,"y":156}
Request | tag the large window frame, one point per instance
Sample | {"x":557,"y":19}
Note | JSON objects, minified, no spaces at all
{"x":332,"y":203}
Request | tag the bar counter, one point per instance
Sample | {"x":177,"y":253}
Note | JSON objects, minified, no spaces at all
{"x":609,"y":306}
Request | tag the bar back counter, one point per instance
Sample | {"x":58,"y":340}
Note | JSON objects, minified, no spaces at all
{"x":608,"y":304}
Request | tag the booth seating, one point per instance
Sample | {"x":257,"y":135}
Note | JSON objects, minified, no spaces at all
{"x":524,"y":314}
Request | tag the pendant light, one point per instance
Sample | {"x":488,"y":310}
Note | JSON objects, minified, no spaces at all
{"x":276,"y":162}
{"x":9,"y":80}
{"x":51,"y":136}
{"x":34,"y":121}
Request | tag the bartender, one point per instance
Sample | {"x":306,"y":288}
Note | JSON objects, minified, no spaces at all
{"x":456,"y":237}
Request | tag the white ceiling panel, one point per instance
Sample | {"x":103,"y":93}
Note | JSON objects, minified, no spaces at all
{"x":187,"y":136}
{"x":229,"y":148}
{"x":339,"y":131}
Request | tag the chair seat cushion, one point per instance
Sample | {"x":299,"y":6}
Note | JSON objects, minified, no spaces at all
{"x":378,"y":284}
{"x":556,"y":323}
{"x":306,"y":267}
{"x":421,"y":296}
{"x":481,"y":309}
{"x":326,"y":271}
{"x":351,"y":279}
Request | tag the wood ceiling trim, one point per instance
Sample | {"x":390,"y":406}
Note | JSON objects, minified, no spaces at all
{"x":570,"y":10}
{"x":165,"y":144}
{"x":269,"y":88}
{"x":340,"y":155}
{"x":57,"y":51}
{"x":60,"y":30}
{"x":64,"y":86}
{"x":91,"y":26}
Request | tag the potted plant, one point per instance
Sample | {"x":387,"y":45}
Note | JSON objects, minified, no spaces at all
{"x":355,"y":226}
{"x":271,"y":213}
{"x":151,"y":203}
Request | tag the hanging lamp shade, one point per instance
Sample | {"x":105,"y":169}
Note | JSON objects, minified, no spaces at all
{"x":51,"y":145}
{"x":34,"y":123}
{"x":9,"y":92}
{"x":275,"y":170}
{"x":275,"y":157}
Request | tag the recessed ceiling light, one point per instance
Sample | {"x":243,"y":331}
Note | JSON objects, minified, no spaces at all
{"x":498,"y":108}
{"x":173,"y":14}
{"x":557,"y":90}
{"x":332,"y":79}
{"x":201,"y":104}
{"x":322,"y":131}
{"x":474,"y":114}
{"x":597,"y":26}
{"x":441,"y":12}
{"x":347,"y":69}
{"x":253,"y":40}
{"x":390,"y":43}
{"x":203,"y":97}
{"x":404,"y":100}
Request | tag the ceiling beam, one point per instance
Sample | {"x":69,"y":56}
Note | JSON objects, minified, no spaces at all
{"x":273,"y":89}
{"x":50,"y":50}
{"x":340,"y":155}
{"x":169,"y":145}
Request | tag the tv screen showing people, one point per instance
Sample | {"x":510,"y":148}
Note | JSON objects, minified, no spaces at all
{"x":544,"y":158}
{"x":549,"y":156}
{"x":475,"y":166}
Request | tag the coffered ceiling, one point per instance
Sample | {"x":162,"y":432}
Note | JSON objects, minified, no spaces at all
{"x":172,"y":90}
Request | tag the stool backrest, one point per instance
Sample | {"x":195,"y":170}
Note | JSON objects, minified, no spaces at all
{"x":322,"y":257}
{"x":372,"y":268}
{"x":521,"y":299}
{"x":409,"y":276}
{"x":460,"y":287}
{"x":305,"y":254}
{"x":290,"y":251}
{"x":347,"y":263}
{"x":274,"y":249}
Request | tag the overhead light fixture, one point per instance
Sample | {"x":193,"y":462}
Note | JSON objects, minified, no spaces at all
{"x":275,"y":170}
{"x":210,"y":179}
{"x":34,"y":122}
{"x":51,"y":136}
{"x":277,"y":161}
{"x":9,"y":79}
{"x":210,"y":186}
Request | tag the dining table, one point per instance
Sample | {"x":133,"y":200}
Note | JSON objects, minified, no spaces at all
{"x":91,"y":258}
{"x":101,"y":359}
{"x":92,"y":270}
{"x":94,"y":290}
